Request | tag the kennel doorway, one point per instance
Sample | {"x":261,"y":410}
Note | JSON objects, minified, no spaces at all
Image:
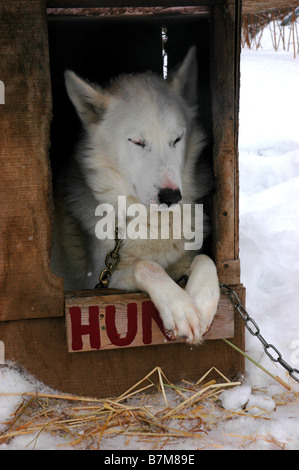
{"x":102,"y":46}
{"x":32,"y":305}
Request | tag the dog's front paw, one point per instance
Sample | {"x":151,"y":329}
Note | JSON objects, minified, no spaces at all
{"x":186,"y":313}
{"x":203,"y":287}
{"x":181,"y":315}
{"x":206,"y":300}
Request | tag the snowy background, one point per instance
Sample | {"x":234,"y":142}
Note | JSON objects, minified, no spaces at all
{"x":269,"y":253}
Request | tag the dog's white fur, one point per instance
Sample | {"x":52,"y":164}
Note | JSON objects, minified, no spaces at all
{"x":141,"y":135}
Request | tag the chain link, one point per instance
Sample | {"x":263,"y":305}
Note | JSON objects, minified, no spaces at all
{"x":253,"y":328}
{"x":111,"y":261}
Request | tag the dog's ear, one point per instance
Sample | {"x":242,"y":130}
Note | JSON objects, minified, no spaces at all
{"x":89,"y":102}
{"x":184,"y":79}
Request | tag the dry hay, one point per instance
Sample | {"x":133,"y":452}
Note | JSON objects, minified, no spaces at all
{"x":143,"y":412}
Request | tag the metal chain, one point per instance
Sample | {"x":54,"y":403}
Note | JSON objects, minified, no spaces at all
{"x":111,"y":261}
{"x":271,"y":351}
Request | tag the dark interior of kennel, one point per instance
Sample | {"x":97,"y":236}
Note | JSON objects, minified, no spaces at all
{"x":101,"y":48}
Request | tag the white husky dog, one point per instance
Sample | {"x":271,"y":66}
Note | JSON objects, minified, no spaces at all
{"x":141,"y":141}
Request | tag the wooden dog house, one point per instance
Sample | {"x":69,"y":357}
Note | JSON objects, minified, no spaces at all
{"x":39,"y":39}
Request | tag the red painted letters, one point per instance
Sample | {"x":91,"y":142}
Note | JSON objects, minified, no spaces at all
{"x":132,"y":322}
{"x":93,"y":329}
{"x":112,"y":333}
{"x":149,"y":313}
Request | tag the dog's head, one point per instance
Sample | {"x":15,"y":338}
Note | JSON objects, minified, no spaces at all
{"x":140,"y":126}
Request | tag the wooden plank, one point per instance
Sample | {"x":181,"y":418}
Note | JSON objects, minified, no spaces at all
{"x":39,"y":346}
{"x":133,"y":3}
{"x":259,"y":6}
{"x":229,"y":271}
{"x":97,"y":322}
{"x":28,"y":287}
{"x":238,"y":26}
{"x":222,"y":67}
{"x":132,"y":12}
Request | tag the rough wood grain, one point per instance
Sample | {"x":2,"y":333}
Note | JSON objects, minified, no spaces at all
{"x":130,"y":12}
{"x":28,"y":287}
{"x":224,"y":67}
{"x":97,"y":321}
{"x":258,"y":6}
{"x":133,"y":3}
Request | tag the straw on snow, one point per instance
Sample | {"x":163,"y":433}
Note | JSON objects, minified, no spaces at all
{"x":133,"y":414}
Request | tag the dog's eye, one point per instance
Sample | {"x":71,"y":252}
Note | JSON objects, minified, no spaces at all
{"x":138,"y":142}
{"x":177,"y":140}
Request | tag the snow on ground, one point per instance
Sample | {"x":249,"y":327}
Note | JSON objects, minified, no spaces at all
{"x":269,"y":252}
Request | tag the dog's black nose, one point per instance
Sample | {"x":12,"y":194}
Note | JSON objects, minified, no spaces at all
{"x":169,"y":196}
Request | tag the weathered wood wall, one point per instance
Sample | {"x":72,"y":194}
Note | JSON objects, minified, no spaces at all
{"x":28,"y":287}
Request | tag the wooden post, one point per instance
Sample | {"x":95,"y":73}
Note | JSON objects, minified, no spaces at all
{"x":28,"y":287}
{"x":224,"y":60}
